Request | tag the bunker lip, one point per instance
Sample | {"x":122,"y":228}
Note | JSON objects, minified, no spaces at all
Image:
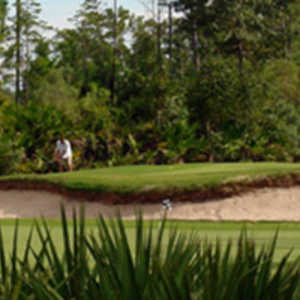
{"x":153,"y":197}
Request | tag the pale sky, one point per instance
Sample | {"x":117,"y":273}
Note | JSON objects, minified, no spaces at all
{"x":57,"y":12}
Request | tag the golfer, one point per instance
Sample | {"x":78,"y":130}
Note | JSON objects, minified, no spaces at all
{"x":63,"y":154}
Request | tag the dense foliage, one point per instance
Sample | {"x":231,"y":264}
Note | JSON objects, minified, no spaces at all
{"x":154,"y":263}
{"x":217,"y":82}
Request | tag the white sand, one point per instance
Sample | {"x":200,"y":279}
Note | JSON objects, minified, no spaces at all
{"x":264,"y":204}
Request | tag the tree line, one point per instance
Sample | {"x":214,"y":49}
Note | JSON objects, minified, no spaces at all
{"x":215,"y":81}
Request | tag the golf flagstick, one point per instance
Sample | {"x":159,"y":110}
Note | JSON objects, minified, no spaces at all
{"x":166,"y":207}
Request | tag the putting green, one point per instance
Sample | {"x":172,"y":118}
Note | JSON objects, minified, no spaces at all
{"x":135,"y":179}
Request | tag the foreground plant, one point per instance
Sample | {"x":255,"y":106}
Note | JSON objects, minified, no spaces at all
{"x":160,"y":263}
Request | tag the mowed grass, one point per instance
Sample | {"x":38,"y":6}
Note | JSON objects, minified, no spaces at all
{"x":262,"y":232}
{"x":128,"y":179}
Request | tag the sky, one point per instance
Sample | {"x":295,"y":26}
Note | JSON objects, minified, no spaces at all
{"x":57,"y":12}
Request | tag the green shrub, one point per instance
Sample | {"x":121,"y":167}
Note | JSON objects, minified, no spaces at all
{"x":33,"y":130}
{"x":10,"y":156}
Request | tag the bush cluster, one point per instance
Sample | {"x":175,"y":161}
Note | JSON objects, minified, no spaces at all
{"x":187,"y":129}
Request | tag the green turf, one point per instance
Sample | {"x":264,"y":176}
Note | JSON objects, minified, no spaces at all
{"x":262,"y":232}
{"x":128,"y":179}
{"x":188,"y":176}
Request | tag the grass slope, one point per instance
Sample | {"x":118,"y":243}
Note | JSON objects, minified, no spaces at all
{"x":133,"y":179}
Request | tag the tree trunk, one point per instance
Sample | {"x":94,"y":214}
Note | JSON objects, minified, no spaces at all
{"x":195,"y":46}
{"x":241,"y":65}
{"x":114,"y":68}
{"x":159,"y":60}
{"x":171,"y":38}
{"x":18,"y":52}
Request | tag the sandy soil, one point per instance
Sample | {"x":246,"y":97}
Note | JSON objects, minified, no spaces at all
{"x":268,"y":204}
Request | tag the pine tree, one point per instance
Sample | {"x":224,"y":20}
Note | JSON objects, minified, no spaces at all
{"x":3,"y":15}
{"x":25,"y":31}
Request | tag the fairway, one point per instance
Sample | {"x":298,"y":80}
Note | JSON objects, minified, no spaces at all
{"x":262,"y":232}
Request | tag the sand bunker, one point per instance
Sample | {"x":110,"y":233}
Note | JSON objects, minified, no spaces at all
{"x":269,"y":204}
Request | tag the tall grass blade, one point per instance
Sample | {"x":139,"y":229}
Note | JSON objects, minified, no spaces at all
{"x":3,"y":263}
{"x":14,"y":257}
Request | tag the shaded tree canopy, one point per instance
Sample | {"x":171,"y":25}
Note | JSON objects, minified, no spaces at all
{"x":215,"y":81}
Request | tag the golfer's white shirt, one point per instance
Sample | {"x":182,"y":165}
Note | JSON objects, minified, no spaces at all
{"x":64,"y":149}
